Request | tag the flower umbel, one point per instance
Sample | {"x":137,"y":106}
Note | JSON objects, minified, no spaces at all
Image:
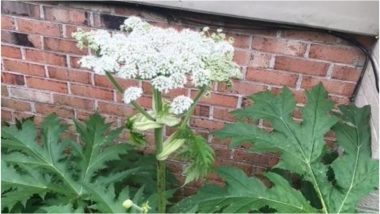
{"x":166,"y":57}
{"x":132,"y":94}
{"x":180,"y":104}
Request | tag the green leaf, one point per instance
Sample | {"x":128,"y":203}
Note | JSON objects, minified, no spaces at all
{"x":355,"y":172}
{"x":338,"y":184}
{"x":243,"y":194}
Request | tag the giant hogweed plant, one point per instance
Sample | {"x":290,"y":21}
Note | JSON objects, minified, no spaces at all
{"x":332,"y":181}
{"x":168,"y":59}
{"x":41,"y":171}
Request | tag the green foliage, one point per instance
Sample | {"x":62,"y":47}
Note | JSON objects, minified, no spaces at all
{"x":43,"y":172}
{"x":337,"y":184}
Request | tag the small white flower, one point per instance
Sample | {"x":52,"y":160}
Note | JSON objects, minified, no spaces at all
{"x":219,"y":30}
{"x":180,"y":104}
{"x":205,"y":28}
{"x":132,"y":94}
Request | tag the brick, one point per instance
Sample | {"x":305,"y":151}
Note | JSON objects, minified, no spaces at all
{"x":223,"y":114}
{"x":274,"y":45}
{"x":4,"y":91}
{"x":88,"y":91}
{"x":259,"y":60}
{"x":76,"y":102}
{"x":16,"y":105}
{"x":71,"y":75}
{"x":12,"y":79}
{"x":345,"y":73}
{"x":301,"y":66}
{"x":103,"y":81}
{"x":72,"y":16}
{"x":28,"y":94}
{"x":202,"y":110}
{"x":338,"y":100}
{"x":7,"y":23}
{"x":11,"y":52}
{"x":309,"y":36}
{"x":210,"y":125}
{"x":241,"y":57}
{"x":22,"y":39}
{"x":38,"y":27}
{"x":70,"y":29}
{"x":345,"y":55}
{"x":61,"y":111}
{"x":271,"y":77}
{"x":332,"y":86}
{"x":175,"y":92}
{"x":145,"y":102}
{"x":217,"y":99}
{"x":240,"y":87}
{"x":65,"y":46}
{"x":20,"y":8}
{"x":240,"y":41}
{"x":74,"y":62}
{"x":45,"y":57}
{"x":46,"y":84}
{"x":122,"y":110}
{"x":6,"y":115}
{"x":24,"y":67}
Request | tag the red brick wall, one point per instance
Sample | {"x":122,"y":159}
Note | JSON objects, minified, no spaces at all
{"x":40,"y":72}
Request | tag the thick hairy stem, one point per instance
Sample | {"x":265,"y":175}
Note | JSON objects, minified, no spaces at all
{"x":161,"y":166}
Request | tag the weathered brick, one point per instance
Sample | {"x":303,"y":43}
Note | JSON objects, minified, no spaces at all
{"x":259,"y":60}
{"x":74,"y":62}
{"x":88,"y":91}
{"x":309,"y":36}
{"x":240,"y":40}
{"x":20,"y":8}
{"x":61,"y":111}
{"x":6,"y":115}
{"x":45,"y":57}
{"x":345,"y":73}
{"x":7,"y":23}
{"x":206,"y":124}
{"x":24,"y":67}
{"x":11,"y":78}
{"x":241,"y":57}
{"x":103,"y":81}
{"x":332,"y":86}
{"x":275,"y":45}
{"x":28,"y":94}
{"x":76,"y":102}
{"x":65,"y":46}
{"x":38,"y":27}
{"x":71,"y":75}
{"x":11,"y":52}
{"x":4,"y":91}
{"x":271,"y":77}
{"x":46,"y":84}
{"x":240,"y":87}
{"x":202,"y":110}
{"x":122,"y":110}
{"x":22,"y":39}
{"x":16,"y":105}
{"x":347,"y":55}
{"x":301,"y":66}
{"x":217,"y":99}
{"x":223,"y":114}
{"x":71,"y":15}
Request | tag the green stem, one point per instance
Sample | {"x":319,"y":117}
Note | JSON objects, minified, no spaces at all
{"x":192,"y":107}
{"x":119,"y":89}
{"x":161,"y":166}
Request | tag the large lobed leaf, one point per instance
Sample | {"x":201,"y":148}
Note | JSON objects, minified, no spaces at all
{"x":338,"y":185}
{"x":42,"y":171}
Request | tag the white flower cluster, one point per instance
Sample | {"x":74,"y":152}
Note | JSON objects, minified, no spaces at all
{"x":180,"y":104}
{"x":166,"y":57}
{"x":132,"y":94}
